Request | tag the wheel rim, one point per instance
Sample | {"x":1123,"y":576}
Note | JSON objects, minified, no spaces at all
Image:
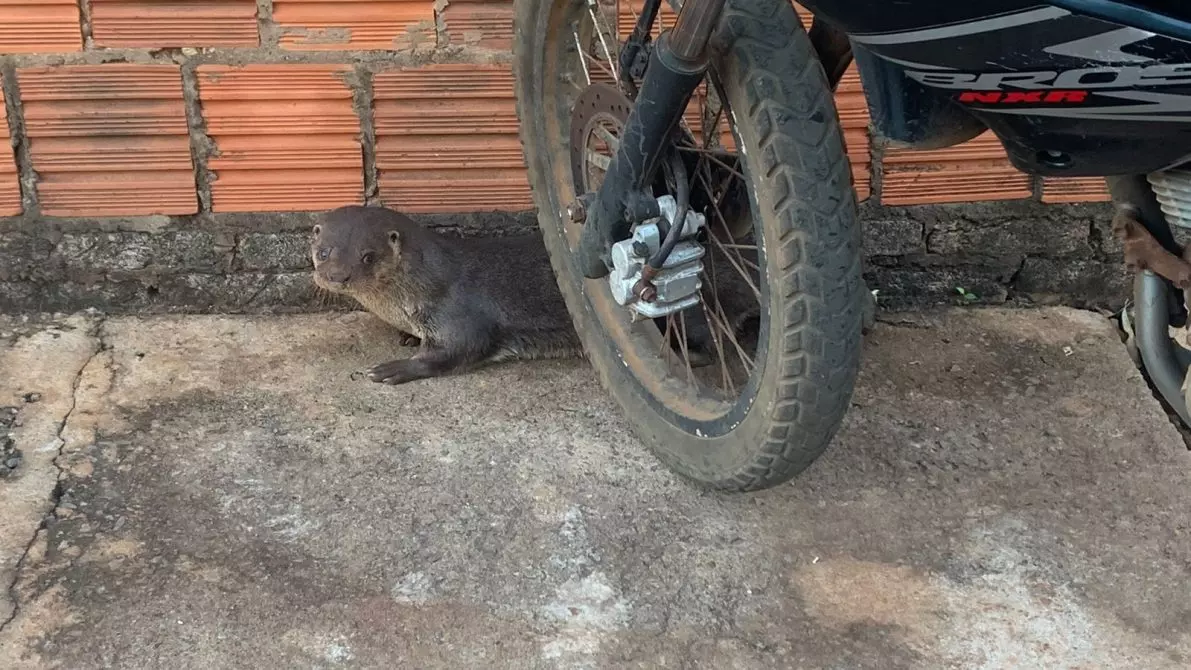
{"x":709,"y":400}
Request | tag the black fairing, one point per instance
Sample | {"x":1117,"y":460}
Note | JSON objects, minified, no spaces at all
{"x":1071,"y":87}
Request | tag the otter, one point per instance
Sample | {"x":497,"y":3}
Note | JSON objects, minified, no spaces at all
{"x":463,"y":302}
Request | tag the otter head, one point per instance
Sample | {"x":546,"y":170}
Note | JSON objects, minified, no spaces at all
{"x":353,"y":250}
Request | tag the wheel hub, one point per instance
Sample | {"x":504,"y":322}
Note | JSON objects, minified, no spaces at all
{"x":597,"y":122}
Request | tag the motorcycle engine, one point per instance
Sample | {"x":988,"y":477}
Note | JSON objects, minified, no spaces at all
{"x":1173,"y":190}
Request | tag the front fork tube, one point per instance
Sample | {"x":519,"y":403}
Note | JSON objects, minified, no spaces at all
{"x":676,"y":66}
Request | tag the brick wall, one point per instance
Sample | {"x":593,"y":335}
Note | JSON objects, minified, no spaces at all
{"x":139,"y":107}
{"x":159,"y":122}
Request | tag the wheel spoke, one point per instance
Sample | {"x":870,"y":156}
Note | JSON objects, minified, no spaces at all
{"x":728,"y":253}
{"x":582,"y":53}
{"x":715,"y":157}
{"x":686,"y":354}
{"x":598,"y":63}
{"x":611,"y":140}
{"x":725,"y":374}
{"x":718,"y":320}
{"x":596,"y":23}
{"x":710,"y":128}
{"x":599,"y":160}
{"x":735,"y":264}
{"x":726,"y":328}
{"x":665,"y":350}
{"x":746,"y":261}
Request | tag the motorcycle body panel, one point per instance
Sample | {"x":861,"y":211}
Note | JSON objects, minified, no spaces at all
{"x":1071,"y":87}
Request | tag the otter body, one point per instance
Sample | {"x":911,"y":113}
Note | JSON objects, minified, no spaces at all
{"x":465,"y":301}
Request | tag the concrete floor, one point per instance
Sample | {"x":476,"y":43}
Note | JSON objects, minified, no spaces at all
{"x":206,"y":492}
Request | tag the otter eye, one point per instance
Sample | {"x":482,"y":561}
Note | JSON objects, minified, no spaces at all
{"x":367,"y":259}
{"x":324,"y":254}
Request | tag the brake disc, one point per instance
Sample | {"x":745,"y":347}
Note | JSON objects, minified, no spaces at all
{"x":597,"y":123}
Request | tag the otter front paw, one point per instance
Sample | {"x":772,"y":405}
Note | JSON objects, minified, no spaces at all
{"x":396,"y":372}
{"x":407,"y":340}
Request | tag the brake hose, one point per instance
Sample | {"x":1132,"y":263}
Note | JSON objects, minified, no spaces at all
{"x":683,"y":197}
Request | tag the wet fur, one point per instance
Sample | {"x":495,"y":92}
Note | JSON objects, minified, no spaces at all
{"x":470,"y":301}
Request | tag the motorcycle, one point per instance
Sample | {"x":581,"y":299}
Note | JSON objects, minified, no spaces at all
{"x":697,"y":203}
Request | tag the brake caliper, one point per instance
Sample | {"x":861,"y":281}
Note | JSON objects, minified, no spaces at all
{"x":676,"y":285}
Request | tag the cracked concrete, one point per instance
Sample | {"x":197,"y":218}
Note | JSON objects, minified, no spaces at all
{"x":26,"y":368}
{"x":204,"y":492}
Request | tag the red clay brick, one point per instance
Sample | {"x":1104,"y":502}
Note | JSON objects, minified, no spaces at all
{"x":46,"y":26}
{"x":853,"y":114}
{"x":109,"y":140}
{"x":171,"y":23}
{"x":627,"y":12}
{"x":10,"y":189}
{"x":287,"y":137}
{"x":975,"y":170}
{"x":1075,"y":189}
{"x":315,"y":25}
{"x":447,"y":140}
{"x":480,"y":23}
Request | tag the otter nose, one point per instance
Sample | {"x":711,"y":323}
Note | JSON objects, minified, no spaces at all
{"x":337,"y":276}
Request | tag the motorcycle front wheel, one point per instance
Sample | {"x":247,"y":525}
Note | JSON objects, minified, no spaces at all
{"x":747,"y":389}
